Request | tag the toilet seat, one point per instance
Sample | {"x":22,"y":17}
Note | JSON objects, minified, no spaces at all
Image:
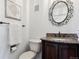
{"x":28,"y":55}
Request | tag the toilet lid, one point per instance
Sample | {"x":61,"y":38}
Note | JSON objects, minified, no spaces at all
{"x":28,"y":55}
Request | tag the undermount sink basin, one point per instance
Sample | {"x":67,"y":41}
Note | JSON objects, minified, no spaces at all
{"x":62,"y":39}
{"x":59,"y":39}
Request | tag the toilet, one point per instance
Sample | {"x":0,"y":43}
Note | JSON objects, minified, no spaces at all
{"x":34,"y":49}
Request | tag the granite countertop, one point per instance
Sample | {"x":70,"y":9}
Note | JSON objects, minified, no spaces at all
{"x":61,"y":40}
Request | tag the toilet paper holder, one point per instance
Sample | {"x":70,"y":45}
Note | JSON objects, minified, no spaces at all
{"x":13,"y":47}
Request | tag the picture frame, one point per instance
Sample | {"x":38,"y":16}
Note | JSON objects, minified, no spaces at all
{"x":12,"y":10}
{"x":36,"y":5}
{"x":36,"y":8}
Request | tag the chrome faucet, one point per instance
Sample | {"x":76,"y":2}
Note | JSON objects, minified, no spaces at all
{"x":59,"y":34}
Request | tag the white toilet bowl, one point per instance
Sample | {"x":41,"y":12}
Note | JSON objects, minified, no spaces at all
{"x":28,"y":55}
{"x":34,"y":49}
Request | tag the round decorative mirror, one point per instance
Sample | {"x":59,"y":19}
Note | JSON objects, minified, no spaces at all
{"x":60,"y":12}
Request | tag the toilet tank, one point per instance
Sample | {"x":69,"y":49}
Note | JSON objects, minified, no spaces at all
{"x":35,"y":45}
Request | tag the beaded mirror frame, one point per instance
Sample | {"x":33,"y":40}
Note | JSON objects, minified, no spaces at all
{"x":69,"y":15}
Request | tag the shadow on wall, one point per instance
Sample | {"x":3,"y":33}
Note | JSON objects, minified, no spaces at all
{"x":39,"y":56}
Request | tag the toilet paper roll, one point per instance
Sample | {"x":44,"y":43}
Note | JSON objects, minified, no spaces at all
{"x":14,"y":49}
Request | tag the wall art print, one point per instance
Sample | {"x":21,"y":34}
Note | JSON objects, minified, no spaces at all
{"x":12,"y":10}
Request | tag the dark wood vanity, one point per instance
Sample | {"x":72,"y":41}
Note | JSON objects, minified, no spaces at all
{"x":60,"y":49}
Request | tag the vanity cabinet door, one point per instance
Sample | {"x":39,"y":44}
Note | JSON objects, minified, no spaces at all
{"x":51,"y":51}
{"x":68,"y":52}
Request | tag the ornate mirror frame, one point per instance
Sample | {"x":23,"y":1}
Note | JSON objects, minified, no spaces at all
{"x":69,"y":15}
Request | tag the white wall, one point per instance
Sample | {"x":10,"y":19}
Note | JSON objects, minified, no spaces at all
{"x":17,"y":33}
{"x":40,"y":25}
{"x":36,"y":20}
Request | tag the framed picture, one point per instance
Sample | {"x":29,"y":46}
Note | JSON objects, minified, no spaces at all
{"x":36,"y":8}
{"x":12,"y":10}
{"x":36,"y":5}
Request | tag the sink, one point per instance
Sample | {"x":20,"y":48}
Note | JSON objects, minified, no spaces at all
{"x":59,"y":39}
